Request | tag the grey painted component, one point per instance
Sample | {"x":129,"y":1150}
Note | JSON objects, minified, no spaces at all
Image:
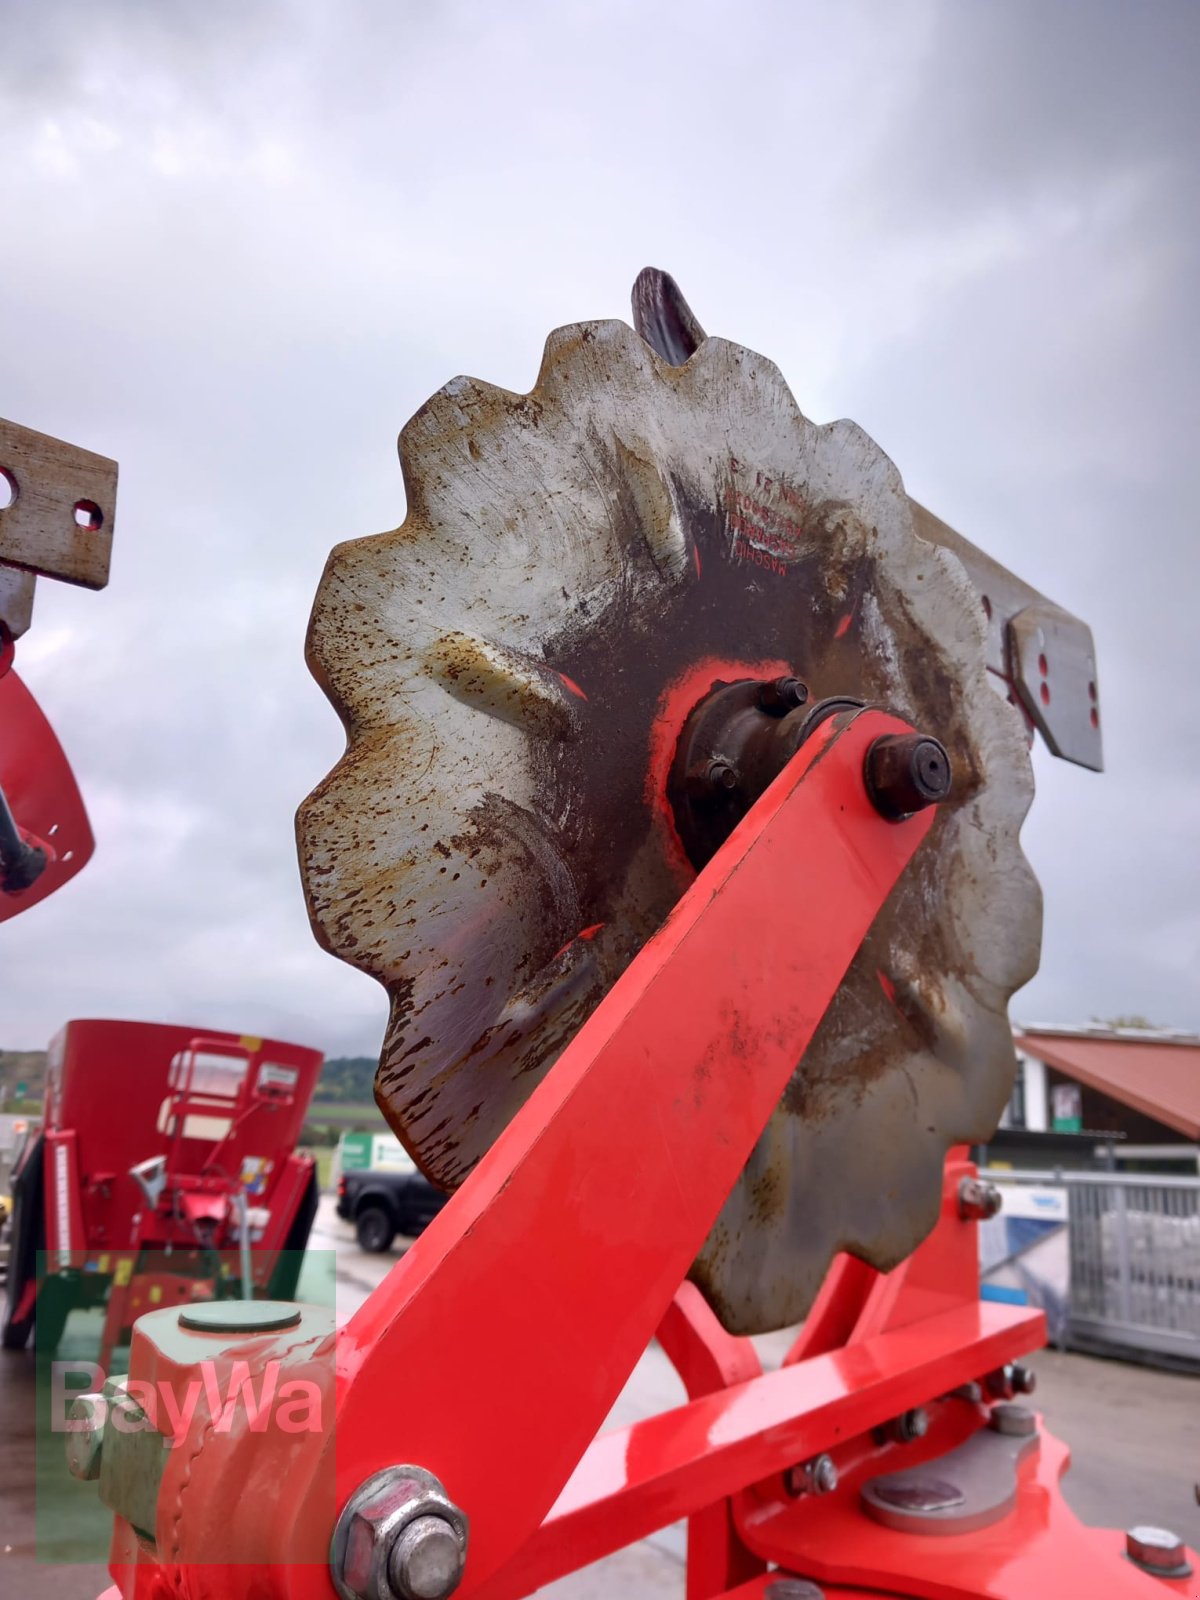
{"x":971,"y":1487}
{"x":132,"y":1459}
{"x":240,"y":1316}
{"x":922,"y":1492}
{"x":85,"y":1419}
{"x":1054,"y":669}
{"x":793,"y":1589}
{"x":1015,"y":614}
{"x":16,"y":599}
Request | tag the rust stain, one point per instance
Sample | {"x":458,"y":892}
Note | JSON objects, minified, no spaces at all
{"x":495,"y":857}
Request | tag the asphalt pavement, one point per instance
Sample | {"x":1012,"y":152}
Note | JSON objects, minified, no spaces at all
{"x":1134,"y":1435}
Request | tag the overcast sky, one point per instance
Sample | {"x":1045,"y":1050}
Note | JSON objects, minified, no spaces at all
{"x":242,"y":243}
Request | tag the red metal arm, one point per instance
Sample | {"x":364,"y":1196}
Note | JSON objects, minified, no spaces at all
{"x":493,"y":1351}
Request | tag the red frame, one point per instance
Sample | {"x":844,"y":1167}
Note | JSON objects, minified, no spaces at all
{"x":572,"y":1237}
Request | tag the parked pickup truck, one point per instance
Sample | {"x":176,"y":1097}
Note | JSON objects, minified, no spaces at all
{"x":380,"y":1190}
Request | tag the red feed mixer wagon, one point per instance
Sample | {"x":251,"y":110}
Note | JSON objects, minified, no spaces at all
{"x":184,"y":1186}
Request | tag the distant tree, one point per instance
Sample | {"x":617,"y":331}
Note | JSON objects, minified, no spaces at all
{"x":347,"y":1080}
{"x":1134,"y":1021}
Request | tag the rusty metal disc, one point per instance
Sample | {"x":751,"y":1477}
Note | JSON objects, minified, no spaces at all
{"x":579,"y":567}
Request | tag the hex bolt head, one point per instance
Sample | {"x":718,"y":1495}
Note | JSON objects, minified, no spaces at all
{"x":971,"y":1392}
{"x":818,"y":1476}
{"x":398,"y":1538}
{"x":999,"y":1384}
{"x":977,"y":1201}
{"x":721,"y":776}
{"x":782,"y":695}
{"x":85,"y":1438}
{"x":912,"y":1425}
{"x":1024,"y":1379}
{"x":1159,"y":1551}
{"x":904,"y":773}
{"x":427,"y":1560}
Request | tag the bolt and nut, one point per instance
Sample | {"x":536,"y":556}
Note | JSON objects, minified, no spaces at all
{"x":1011,"y":1380}
{"x":904,"y":773}
{"x":85,"y":1435}
{"x":399,"y":1538}
{"x":912,"y":1425}
{"x":721,"y":776}
{"x":977,"y":1201}
{"x":971,"y":1392}
{"x":782,"y":695}
{"x":818,"y":1476}
{"x":1159,"y":1551}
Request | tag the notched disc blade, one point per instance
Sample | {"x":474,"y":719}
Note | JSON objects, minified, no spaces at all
{"x":579,"y":566}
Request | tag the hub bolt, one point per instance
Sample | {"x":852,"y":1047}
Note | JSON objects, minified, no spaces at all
{"x":782,"y":695}
{"x":1024,"y":1379}
{"x":1010,"y":1380}
{"x":721,"y":776}
{"x":818,"y":1476}
{"x":912,"y":1425}
{"x":905,"y":772}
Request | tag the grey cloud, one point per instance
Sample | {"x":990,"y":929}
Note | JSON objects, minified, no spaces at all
{"x":255,"y":239}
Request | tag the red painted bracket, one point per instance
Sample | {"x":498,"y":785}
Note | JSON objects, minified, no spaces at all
{"x":494,"y":1350}
{"x":643,"y":1477}
{"x":41,"y":791}
{"x":1039,"y":1551}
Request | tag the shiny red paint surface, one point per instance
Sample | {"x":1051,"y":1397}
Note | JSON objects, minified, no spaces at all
{"x":1040,"y":1551}
{"x":42,"y":794}
{"x":588,"y":1211}
{"x":495,"y":1348}
{"x":637,"y":1479}
{"x":493,"y":1351}
{"x":708,"y":1358}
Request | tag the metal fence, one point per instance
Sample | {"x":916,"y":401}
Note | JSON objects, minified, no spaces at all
{"x":1134,"y":1247}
